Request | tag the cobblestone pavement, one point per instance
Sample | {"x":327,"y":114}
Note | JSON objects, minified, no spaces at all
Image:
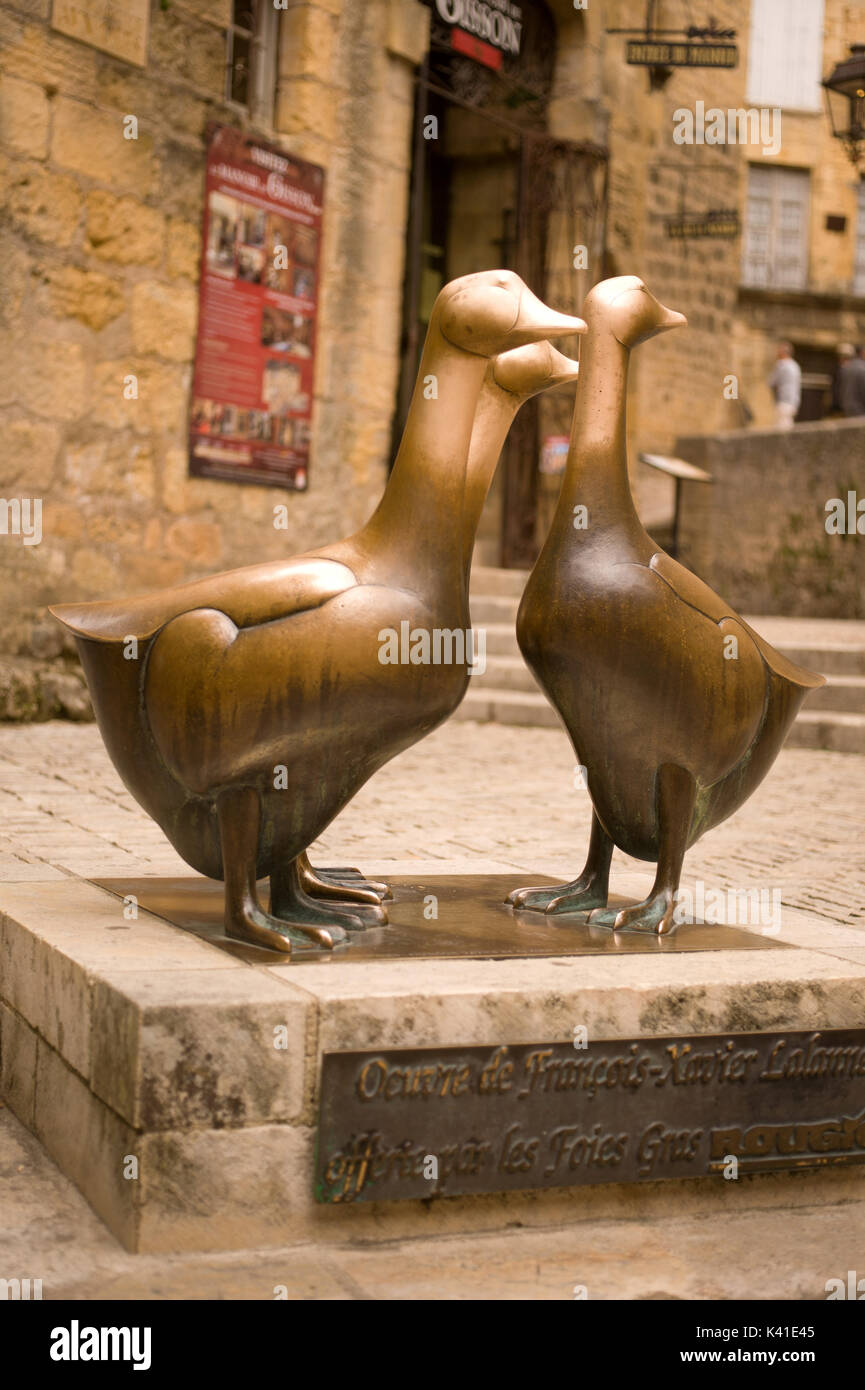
{"x":470,"y":798}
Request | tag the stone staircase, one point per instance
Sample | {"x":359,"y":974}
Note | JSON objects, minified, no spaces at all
{"x":833,"y":717}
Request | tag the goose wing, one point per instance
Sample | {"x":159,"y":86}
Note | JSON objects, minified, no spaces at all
{"x":249,"y":596}
{"x":694,"y":592}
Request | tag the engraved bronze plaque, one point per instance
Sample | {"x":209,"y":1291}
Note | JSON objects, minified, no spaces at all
{"x":431,"y":1122}
{"x":472,"y":922}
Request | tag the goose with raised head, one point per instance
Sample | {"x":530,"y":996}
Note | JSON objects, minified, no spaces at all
{"x":510,"y":380}
{"x":675,"y":707}
{"x":252,"y":705}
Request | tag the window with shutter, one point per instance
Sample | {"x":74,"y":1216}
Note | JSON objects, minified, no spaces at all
{"x":859,"y":265}
{"x":785,"y":54}
{"x":775,"y":243}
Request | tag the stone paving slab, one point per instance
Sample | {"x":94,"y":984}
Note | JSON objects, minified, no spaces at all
{"x":485,"y":796}
{"x":49,"y":1232}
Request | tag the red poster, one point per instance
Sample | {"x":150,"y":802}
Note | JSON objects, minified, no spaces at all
{"x":255,"y":355}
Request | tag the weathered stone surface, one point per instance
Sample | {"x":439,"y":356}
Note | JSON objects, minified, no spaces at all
{"x":93,"y":299}
{"x":193,"y":52}
{"x":164,"y":319}
{"x":120,"y":469}
{"x":199,"y":541}
{"x":219,"y":1049}
{"x":183,"y":256}
{"x":119,"y":27}
{"x":35,"y":690}
{"x":43,"y":204}
{"x":50,"y":377}
{"x":779,"y":1251}
{"x":24,"y":117}
{"x":783,"y":561}
{"x":29,"y":453}
{"x":124,"y":229}
{"x":92,"y":143}
{"x":88,"y":1142}
{"x":17,"y":1064}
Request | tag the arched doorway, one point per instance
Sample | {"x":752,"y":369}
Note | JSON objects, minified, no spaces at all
{"x":490,"y":187}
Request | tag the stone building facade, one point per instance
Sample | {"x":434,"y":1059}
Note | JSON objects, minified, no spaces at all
{"x":101,"y":240}
{"x":101,"y":254}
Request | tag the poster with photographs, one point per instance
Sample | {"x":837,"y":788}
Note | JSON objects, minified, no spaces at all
{"x":255,"y":355}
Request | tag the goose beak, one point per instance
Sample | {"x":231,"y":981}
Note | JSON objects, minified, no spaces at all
{"x":672,"y":319}
{"x":536,"y":320}
{"x":564,"y":369}
{"x":524,"y":371}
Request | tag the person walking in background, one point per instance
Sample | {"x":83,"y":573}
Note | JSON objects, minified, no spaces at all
{"x":846,"y":352}
{"x":851,"y":384}
{"x":786,"y":384}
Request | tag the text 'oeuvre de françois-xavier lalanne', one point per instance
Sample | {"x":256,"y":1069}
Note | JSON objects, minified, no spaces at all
{"x":682,"y":1128}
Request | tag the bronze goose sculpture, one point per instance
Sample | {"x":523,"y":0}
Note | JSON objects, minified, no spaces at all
{"x":675,"y":707}
{"x":251,"y":706}
{"x":510,"y":380}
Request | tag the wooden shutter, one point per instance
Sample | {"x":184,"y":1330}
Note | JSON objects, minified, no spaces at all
{"x":775,"y":244}
{"x":785,"y":54}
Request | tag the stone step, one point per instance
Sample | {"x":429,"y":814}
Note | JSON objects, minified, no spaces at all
{"x":505,"y":673}
{"x":501,"y":639}
{"x":833,"y":731}
{"x":507,"y":693}
{"x":845,"y":693}
{"x":498,"y":583}
{"x":832,"y":660}
{"x":829,"y":658}
{"x":494,"y":608}
{"x":508,"y":707}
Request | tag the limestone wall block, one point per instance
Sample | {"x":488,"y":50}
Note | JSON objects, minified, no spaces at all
{"x":93,"y":299}
{"x":29,"y":453}
{"x":50,"y":377}
{"x":92,"y":143}
{"x":183,"y":249}
{"x":164,"y":319}
{"x":24,"y":117}
{"x":124,"y":229}
{"x":42,"y":204}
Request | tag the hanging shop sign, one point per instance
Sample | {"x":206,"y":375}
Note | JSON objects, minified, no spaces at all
{"x":717,"y":222}
{"x":255,"y":354}
{"x":485,"y":30}
{"x":662,"y":53}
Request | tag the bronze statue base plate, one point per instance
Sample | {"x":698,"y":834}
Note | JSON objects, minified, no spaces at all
{"x":472,"y":922}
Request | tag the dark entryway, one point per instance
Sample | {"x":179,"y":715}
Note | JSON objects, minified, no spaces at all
{"x":492,"y":188}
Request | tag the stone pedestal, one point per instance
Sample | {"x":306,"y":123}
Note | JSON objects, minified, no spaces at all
{"x":176,"y":1080}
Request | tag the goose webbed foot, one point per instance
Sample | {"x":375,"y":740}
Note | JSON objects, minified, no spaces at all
{"x":253,"y":924}
{"x":655,"y":914}
{"x":341,"y":884}
{"x":587,"y":892}
{"x":582,"y":895}
{"x":291,"y":901}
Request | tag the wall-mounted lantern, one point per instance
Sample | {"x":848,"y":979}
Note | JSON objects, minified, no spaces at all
{"x":845,"y":99}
